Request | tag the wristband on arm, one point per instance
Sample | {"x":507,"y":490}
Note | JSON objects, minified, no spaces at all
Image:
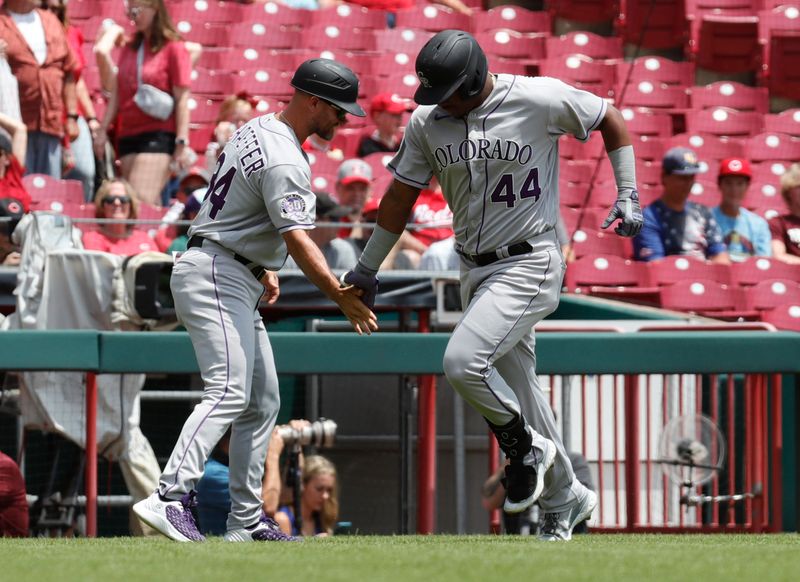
{"x":623,"y":163}
{"x":376,"y":251}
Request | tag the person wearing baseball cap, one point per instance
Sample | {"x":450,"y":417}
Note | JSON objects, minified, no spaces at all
{"x":386,"y":111}
{"x":353,"y":188}
{"x":745,"y":233}
{"x":13,"y":145}
{"x":672,"y":224}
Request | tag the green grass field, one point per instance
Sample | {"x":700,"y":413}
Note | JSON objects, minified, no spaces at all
{"x":698,"y":558}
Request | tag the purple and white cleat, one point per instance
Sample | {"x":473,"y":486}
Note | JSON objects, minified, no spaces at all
{"x":174,"y":519}
{"x":266,"y":530}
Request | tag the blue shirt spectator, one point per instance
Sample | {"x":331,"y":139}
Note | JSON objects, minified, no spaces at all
{"x":745,"y":234}
{"x":672,"y":224}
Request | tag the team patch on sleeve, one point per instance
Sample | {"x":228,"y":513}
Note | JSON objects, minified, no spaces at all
{"x":293,"y":207}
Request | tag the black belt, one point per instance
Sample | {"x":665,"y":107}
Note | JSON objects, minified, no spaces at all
{"x":483,"y":259}
{"x":257,"y":270}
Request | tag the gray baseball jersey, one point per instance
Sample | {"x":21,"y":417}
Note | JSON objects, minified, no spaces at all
{"x":498,"y":167}
{"x":260,"y":189}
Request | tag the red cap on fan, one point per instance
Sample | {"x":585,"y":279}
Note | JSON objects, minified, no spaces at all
{"x":735,"y":167}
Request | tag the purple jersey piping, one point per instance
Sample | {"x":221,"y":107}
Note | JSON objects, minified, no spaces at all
{"x":227,"y":374}
{"x":514,"y":325}
{"x":486,"y":165}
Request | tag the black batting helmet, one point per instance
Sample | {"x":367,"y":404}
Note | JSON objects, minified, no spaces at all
{"x":451,"y":60}
{"x":330,"y":81}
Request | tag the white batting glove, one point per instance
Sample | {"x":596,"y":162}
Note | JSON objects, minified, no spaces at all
{"x":627,"y":209}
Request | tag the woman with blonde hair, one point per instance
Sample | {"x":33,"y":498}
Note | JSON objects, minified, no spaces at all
{"x":319,"y":500}
{"x":116,"y":202}
{"x":149,"y":102}
{"x":785,"y":229}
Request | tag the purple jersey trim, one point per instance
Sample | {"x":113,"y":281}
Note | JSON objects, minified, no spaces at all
{"x":227,"y":374}
{"x":486,"y":166}
{"x":596,"y":122}
{"x":406,"y":179}
{"x":513,"y":326}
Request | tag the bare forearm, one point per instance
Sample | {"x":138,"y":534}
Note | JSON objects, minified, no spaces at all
{"x":396,"y":206}
{"x":312,"y":262}
{"x":84,"y":99}
{"x":271,"y":490}
{"x":111,"y":110}
{"x":70,"y":95}
{"x":182,"y":114}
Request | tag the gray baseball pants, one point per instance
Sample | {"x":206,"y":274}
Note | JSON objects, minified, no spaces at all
{"x":216,"y":299}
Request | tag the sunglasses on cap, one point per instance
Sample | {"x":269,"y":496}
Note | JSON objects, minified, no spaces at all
{"x":115,"y":199}
{"x":341,"y":114}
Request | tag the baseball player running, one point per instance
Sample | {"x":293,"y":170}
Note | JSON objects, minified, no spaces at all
{"x":259,"y":206}
{"x":492,"y":142}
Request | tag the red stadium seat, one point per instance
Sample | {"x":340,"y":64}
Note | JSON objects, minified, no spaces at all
{"x":772,"y":146}
{"x":207,"y":11}
{"x":590,"y":240}
{"x":695,"y":8}
{"x":769,"y":172}
{"x":710,"y":148}
{"x":402,"y":40}
{"x":277,"y":14}
{"x":508,"y":43}
{"x":650,"y":149}
{"x":359,"y":62}
{"x":732,"y":95}
{"x":723,"y":121}
{"x":215,"y":84}
{"x":642,"y":122}
{"x":596,"y":273}
{"x":333,"y":37}
{"x":781,"y":71}
{"x":403,"y":84}
{"x":349,"y":16}
{"x":784,"y":122}
{"x":764,"y":195}
{"x":727,"y":44}
{"x":573,"y":194}
{"x":391,"y":63}
{"x":44,"y":189}
{"x":654,"y":24}
{"x":585,"y":10}
{"x":757,"y":269}
{"x":512,"y":65}
{"x":676,"y":268}
{"x":322,"y":164}
{"x":705,"y":192}
{"x":261,"y":36}
{"x":702,"y":296}
{"x":347,"y":140}
{"x":784,"y":18}
{"x":203,"y":110}
{"x":656,"y":70}
{"x":233,"y":59}
{"x":582,"y":72}
{"x":511,"y":17}
{"x":652,"y":95}
{"x":431,"y":17}
{"x":785,"y":316}
{"x":584,"y":43}
{"x":771,"y":293}
{"x":262,"y":82}
{"x":207,"y":34}
{"x":578,"y":171}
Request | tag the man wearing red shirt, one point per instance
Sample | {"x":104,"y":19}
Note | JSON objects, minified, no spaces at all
{"x":44,"y":65}
{"x":13,"y":503}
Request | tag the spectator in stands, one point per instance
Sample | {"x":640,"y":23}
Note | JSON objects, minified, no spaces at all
{"x":672,"y":224}
{"x":386,"y":111}
{"x":430,"y":221}
{"x":319,"y":501}
{"x":13,"y":503}
{"x":234,"y":112}
{"x":44,"y":65}
{"x":147,"y":144}
{"x":353,"y":188}
{"x":13,"y":149}
{"x":190,"y":210}
{"x":116,"y":201}
{"x":745,"y":233}
{"x":213,"y":490}
{"x":785,"y":229}
{"x":392,"y":6}
{"x":192,"y":179}
{"x":11,"y":212}
{"x":78,"y":156}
